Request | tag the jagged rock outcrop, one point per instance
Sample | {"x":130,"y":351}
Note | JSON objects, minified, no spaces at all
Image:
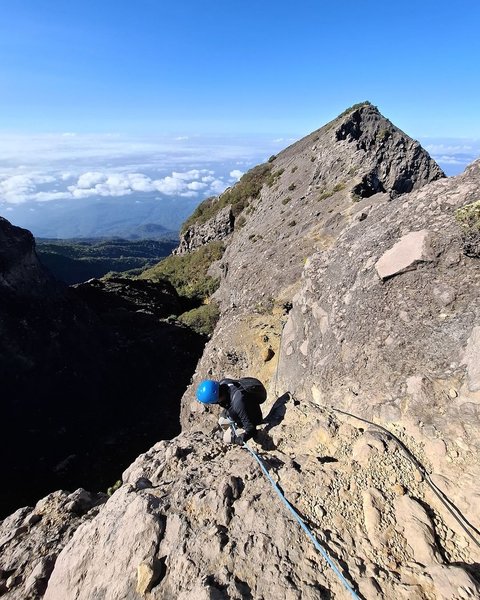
{"x":348,"y":286}
{"x":197,"y":519}
{"x":217,"y":228}
{"x":33,"y":537}
{"x":20,"y":272}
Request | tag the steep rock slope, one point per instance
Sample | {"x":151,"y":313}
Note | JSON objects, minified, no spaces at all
{"x":310,"y":197}
{"x":197,"y":520}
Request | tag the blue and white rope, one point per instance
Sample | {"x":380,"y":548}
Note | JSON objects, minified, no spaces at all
{"x":299,"y":520}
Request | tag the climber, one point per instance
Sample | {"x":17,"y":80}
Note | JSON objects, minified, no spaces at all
{"x":240,"y":400}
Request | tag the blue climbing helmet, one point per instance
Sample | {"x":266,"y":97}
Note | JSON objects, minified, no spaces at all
{"x":207,"y":392}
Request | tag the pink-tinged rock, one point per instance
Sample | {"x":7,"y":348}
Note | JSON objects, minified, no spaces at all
{"x":405,"y":254}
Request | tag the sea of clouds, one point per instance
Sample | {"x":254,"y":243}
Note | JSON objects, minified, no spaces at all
{"x":47,"y":168}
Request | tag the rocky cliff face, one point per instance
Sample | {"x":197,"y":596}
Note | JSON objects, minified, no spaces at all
{"x":217,"y":228}
{"x":20,"y":271}
{"x":345,"y":283}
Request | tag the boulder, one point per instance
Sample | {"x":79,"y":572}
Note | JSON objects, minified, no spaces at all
{"x":411,"y":249}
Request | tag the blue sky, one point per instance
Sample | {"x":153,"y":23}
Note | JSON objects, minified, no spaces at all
{"x":204,"y":79}
{"x":237,"y":67}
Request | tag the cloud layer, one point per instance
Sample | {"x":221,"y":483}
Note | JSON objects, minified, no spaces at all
{"x":47,"y":168}
{"x":24,"y":187}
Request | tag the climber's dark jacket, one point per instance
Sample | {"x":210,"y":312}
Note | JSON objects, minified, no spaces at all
{"x":240,"y":407}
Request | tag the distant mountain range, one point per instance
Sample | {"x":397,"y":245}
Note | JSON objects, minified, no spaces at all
{"x":125,"y":217}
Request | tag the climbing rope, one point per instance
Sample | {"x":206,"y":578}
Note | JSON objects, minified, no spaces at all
{"x":452,"y":509}
{"x":447,"y":503}
{"x":298,"y":518}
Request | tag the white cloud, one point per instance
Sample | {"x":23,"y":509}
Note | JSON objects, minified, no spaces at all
{"x":16,"y":189}
{"x":449,"y":160}
{"x":48,"y":196}
{"x":236,"y":174}
{"x":217,"y":186}
{"x":197,"y":185}
{"x":87,"y":180}
{"x":186,"y":184}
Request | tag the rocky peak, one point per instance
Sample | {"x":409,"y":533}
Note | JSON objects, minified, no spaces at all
{"x":21,"y":274}
{"x":400,"y":163}
{"x":359,"y":154}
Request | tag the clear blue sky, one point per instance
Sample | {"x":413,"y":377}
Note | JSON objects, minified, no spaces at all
{"x":225,"y":67}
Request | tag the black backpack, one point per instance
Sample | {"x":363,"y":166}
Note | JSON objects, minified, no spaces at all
{"x":254,"y":388}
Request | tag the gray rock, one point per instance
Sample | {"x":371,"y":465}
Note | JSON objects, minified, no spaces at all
{"x":27,"y":559}
{"x":471,"y":359}
{"x":217,"y":228}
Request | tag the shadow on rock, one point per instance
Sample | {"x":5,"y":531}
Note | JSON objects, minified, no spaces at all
{"x":277,"y":412}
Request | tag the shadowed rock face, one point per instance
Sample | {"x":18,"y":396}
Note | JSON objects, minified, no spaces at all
{"x":74,"y":364}
{"x":20,"y":271}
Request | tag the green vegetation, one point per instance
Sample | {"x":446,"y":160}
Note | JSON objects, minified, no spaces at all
{"x":469,"y":219}
{"x":291,"y":187}
{"x":355,"y":107}
{"x":294,"y":168}
{"x":202,"y":319}
{"x":188,"y":272}
{"x":286,"y":200}
{"x":237,"y":197}
{"x":77,"y":260}
{"x":469,"y":216}
{"x":272,"y":179}
{"x":383,"y":135}
{"x":292,"y":223}
{"x":325,"y":194}
{"x":272,"y":158}
{"x":328,"y":193}
{"x":114,"y":487}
